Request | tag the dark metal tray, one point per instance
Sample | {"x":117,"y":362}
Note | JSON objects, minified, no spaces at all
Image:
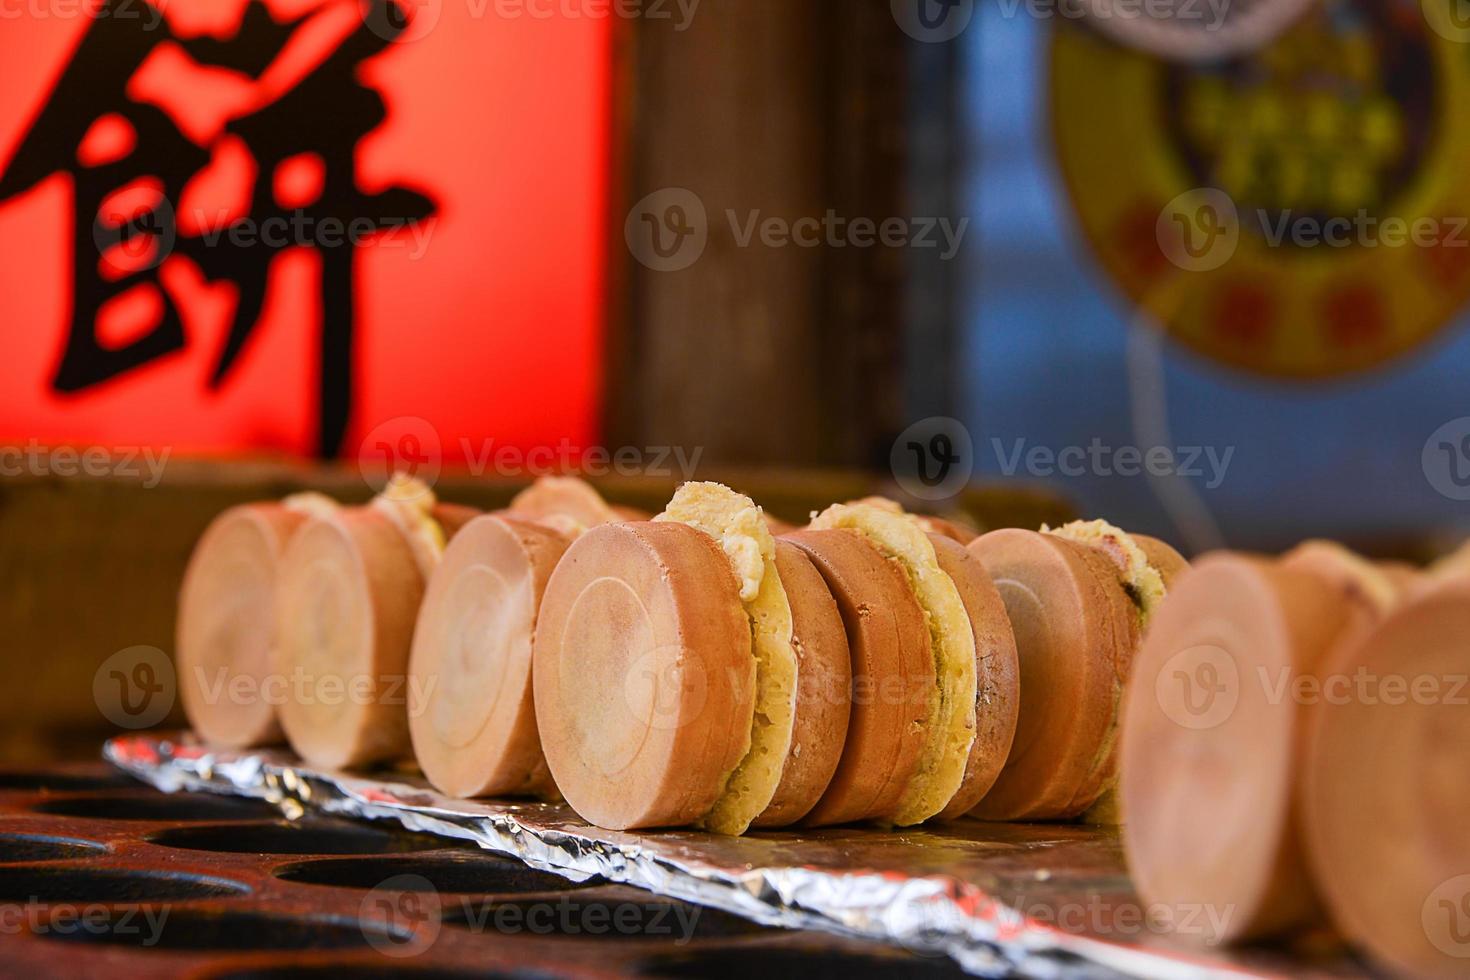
{"x":1034,"y":900}
{"x":103,"y":877}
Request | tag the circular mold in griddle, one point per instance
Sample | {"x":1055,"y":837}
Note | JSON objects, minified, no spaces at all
{"x":45,"y":885}
{"x":61,"y":782}
{"x":359,"y":971}
{"x":452,"y":874}
{"x":228,"y":931}
{"x":286,"y":837}
{"x":772,"y":963}
{"x":46,"y":847}
{"x":600,"y":919}
{"x":160,"y":807}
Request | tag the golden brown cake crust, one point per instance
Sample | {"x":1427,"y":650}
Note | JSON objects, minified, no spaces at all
{"x":953,"y":530}
{"x":1076,"y":631}
{"x":997,"y":674}
{"x":892,"y":671}
{"x":643,"y":675}
{"x":823,"y":698}
{"x":777,"y":526}
{"x":1162,"y":556}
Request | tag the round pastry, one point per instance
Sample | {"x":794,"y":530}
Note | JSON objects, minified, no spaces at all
{"x":997,"y":674}
{"x":1387,"y":788}
{"x":1161,"y":557}
{"x":470,"y":710}
{"x":1452,"y":565}
{"x":944,"y":527}
{"x":225,"y":622}
{"x":1077,"y":599}
{"x":1210,"y":746}
{"x":792,"y":736}
{"x":1170,"y":564}
{"x":1371,"y":592}
{"x":892,"y":671}
{"x":348,"y":591}
{"x":823,"y":690}
{"x":949,"y":727}
{"x":452,"y":517}
{"x":569,"y":504}
{"x":739,"y":526}
{"x":1404,"y":577}
{"x":643,"y":674}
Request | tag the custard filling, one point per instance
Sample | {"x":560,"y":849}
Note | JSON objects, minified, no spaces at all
{"x":1144,"y":585}
{"x":1142,"y":582}
{"x":950,"y":727}
{"x":737,"y":524}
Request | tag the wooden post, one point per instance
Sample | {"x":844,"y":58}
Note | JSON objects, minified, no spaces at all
{"x":762,"y":353}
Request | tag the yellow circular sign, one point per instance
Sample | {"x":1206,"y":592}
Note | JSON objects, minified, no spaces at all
{"x":1302,"y":210}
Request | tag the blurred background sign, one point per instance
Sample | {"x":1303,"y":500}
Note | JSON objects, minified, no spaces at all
{"x":1253,"y":265}
{"x":1335,"y":241}
{"x":240,"y":225}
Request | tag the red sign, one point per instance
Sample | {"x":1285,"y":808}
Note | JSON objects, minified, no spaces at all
{"x":232,"y":225}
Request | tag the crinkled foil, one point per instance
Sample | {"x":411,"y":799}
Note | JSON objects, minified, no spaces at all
{"x":1046,"y":901}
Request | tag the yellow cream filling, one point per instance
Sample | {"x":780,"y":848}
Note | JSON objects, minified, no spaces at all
{"x":1145,"y":586}
{"x":1143,"y":583}
{"x":737,"y":524}
{"x":950,"y":728}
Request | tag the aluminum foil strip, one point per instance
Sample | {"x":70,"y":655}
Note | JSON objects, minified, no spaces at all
{"x":1045,"y":901}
